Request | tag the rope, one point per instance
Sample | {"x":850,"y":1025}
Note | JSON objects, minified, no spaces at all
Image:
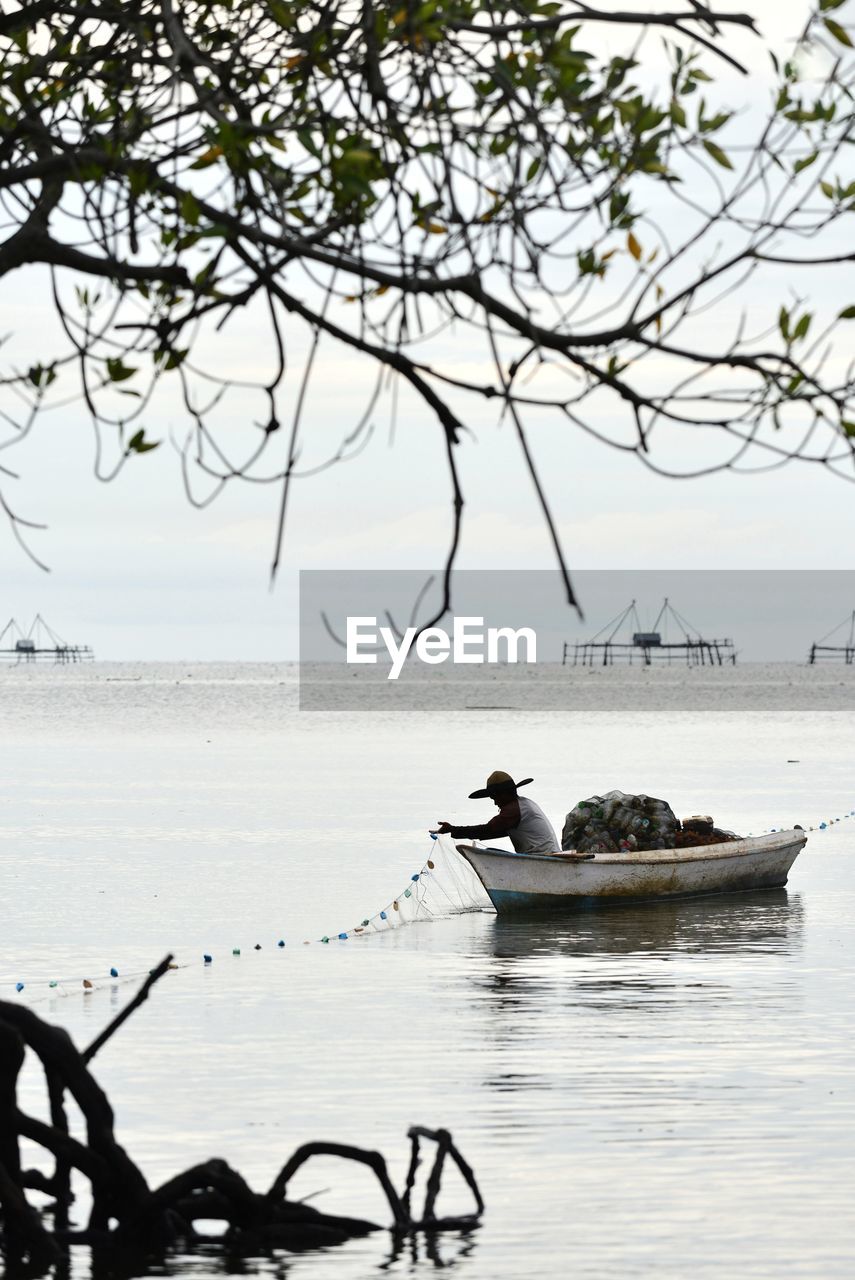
{"x":85,"y":984}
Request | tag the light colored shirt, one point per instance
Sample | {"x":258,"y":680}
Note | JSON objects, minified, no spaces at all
{"x":535,"y":833}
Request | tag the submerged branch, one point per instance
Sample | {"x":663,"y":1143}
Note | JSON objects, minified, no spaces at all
{"x":132,"y":1224}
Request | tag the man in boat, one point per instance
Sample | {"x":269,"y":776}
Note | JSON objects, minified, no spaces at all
{"x":520,"y":819}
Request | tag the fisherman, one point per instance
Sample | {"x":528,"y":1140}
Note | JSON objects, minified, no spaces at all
{"x":521,"y":820}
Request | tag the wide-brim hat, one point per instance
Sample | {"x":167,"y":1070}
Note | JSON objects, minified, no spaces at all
{"x":497,"y":781}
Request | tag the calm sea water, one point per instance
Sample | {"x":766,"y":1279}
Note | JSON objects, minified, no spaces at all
{"x":667,"y":1090}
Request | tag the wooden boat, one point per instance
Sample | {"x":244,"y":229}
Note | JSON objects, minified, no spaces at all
{"x":571,"y":882}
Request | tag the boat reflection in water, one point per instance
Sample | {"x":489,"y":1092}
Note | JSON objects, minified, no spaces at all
{"x":569,"y":1000}
{"x":767,"y":921}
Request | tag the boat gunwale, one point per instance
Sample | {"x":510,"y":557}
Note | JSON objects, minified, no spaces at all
{"x":659,"y":857}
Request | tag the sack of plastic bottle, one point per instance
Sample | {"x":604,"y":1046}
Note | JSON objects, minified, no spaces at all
{"x":619,"y":821}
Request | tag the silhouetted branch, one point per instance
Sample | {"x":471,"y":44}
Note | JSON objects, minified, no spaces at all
{"x":462,"y":197}
{"x":140,"y":998}
{"x":131,"y":1223}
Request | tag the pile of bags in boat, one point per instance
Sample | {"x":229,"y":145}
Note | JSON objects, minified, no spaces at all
{"x":616,"y":822}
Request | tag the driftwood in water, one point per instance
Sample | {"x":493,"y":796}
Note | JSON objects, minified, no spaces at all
{"x":131,"y":1222}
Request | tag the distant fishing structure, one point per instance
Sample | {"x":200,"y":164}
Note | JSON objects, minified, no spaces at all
{"x":647,"y":647}
{"x":39,"y":644}
{"x":819,"y":649}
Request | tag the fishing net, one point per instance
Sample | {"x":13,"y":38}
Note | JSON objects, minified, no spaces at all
{"x":445,"y":886}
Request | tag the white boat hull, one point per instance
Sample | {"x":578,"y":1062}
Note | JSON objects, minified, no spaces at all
{"x":527,"y":881}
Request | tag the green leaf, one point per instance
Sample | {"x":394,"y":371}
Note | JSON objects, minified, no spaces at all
{"x":715,"y":122}
{"x":189,"y":208}
{"x":308,"y":142}
{"x":848,"y":313}
{"x":41,"y":377}
{"x":139,"y":444}
{"x":805,"y":162}
{"x":633,"y":246}
{"x":282,"y":14}
{"x":840,"y":34}
{"x":209,"y":157}
{"x":802,"y":327}
{"x":713,"y":149}
{"x":848,"y":428}
{"x":117,"y":370}
{"x":175,"y":358}
{"x":784,"y":323}
{"x":587,"y":260}
{"x":827,"y":189}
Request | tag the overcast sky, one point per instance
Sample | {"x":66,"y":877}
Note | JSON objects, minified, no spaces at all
{"x":137,"y":573}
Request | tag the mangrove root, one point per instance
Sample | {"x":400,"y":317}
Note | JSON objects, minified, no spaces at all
{"x":130,"y":1222}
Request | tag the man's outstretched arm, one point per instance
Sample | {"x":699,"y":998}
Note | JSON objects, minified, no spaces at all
{"x":499,"y":825}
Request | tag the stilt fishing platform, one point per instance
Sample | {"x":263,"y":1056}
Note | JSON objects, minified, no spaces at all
{"x":39,"y":644}
{"x":839,"y":652}
{"x":646,"y":647}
